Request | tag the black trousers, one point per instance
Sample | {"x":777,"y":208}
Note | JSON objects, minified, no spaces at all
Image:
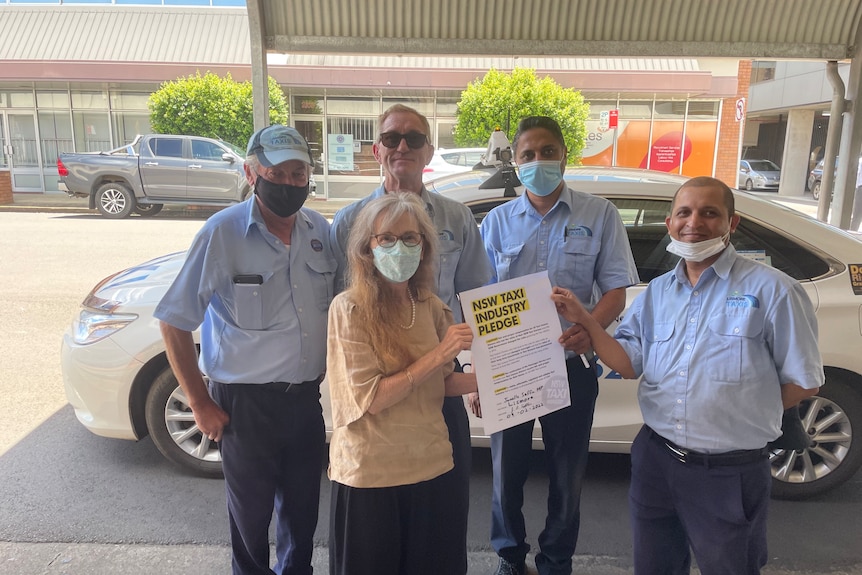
{"x":272,"y":456}
{"x":400,"y":530}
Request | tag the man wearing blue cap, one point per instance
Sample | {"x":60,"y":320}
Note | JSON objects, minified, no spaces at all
{"x":258,"y":280}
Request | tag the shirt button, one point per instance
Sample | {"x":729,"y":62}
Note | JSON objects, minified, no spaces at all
{"x":295,"y":286}
{"x":736,"y":330}
{"x":541,"y":243}
{"x":682,"y":372}
{"x":299,"y":310}
{"x":695,"y":292}
{"x":692,"y":320}
{"x":687,"y":346}
{"x":679,"y":427}
{"x":679,"y":401}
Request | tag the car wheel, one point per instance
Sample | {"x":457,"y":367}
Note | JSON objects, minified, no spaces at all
{"x":815,"y":191}
{"x":831,"y":418}
{"x":148,"y":210}
{"x":174,"y":431}
{"x":115,"y":200}
{"x":749,"y":185}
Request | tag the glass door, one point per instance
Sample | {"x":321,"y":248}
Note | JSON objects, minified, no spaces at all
{"x":312,"y":131}
{"x":21,"y":151}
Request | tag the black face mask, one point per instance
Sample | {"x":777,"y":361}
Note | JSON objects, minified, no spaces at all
{"x":283,"y":200}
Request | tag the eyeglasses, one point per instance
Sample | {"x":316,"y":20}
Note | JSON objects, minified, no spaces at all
{"x":415,"y":140}
{"x":409,"y":239}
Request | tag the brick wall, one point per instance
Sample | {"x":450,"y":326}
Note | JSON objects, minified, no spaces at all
{"x":727,"y":158}
{"x":5,"y":187}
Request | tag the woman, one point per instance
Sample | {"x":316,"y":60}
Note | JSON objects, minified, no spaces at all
{"x":390,"y":353}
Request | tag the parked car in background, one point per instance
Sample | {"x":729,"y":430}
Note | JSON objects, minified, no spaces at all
{"x":816,"y":175}
{"x":452,"y":161}
{"x":118,"y":380}
{"x":758,"y":175}
{"x":155,"y":170}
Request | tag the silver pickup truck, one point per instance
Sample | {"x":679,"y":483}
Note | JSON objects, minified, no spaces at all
{"x":154,"y":170}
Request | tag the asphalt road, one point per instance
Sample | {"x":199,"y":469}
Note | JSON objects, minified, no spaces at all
{"x":74,"y":503}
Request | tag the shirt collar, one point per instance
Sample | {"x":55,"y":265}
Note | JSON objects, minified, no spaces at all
{"x":425,"y":196}
{"x":255,"y":219}
{"x":523,"y":205}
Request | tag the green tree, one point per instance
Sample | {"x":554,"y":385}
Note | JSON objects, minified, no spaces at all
{"x":212,"y":107}
{"x":501,"y":100}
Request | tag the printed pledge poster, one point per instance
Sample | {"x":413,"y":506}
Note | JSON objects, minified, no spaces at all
{"x":517,"y":358}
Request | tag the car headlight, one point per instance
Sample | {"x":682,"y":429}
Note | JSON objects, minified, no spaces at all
{"x":91,"y":326}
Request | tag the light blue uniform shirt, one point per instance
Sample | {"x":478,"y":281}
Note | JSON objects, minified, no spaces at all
{"x":250,"y":333}
{"x":713,"y":356}
{"x":463,"y":265}
{"x":581,"y":242}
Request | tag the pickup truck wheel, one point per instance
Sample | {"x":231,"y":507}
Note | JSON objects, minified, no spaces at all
{"x":815,"y":191}
{"x":173,"y":429}
{"x":115,"y":200}
{"x":148,"y":210}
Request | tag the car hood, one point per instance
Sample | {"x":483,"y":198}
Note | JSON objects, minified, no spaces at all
{"x":142,"y":284}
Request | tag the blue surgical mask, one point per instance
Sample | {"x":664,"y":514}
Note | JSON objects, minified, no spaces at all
{"x":397,"y":263}
{"x":541,"y":177}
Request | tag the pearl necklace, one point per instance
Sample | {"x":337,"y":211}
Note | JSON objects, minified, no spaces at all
{"x":413,"y":312}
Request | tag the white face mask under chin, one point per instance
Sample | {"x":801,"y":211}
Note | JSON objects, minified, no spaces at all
{"x":698,"y":251}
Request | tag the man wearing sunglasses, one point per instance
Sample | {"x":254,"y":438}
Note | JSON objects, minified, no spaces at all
{"x":403,"y":150}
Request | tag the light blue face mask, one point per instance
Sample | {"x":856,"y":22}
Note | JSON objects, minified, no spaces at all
{"x":397,"y":263}
{"x":541,"y":177}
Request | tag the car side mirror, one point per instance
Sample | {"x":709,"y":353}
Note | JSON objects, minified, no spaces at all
{"x":228,"y":158}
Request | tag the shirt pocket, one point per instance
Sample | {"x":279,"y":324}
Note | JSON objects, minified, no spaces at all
{"x":504,"y":258}
{"x":732,"y":343}
{"x":322,"y":275}
{"x":248,"y":302}
{"x":578,"y":266}
{"x":660,"y":353}
{"x":450,"y":255}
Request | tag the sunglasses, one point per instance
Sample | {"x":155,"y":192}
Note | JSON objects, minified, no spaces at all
{"x":415,"y":140}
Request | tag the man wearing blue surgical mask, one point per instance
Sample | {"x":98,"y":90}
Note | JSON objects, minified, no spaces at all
{"x":581,"y":242}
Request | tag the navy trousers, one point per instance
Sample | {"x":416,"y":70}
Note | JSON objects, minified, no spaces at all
{"x":566,"y":435}
{"x":720,"y":512}
{"x":272,"y":456}
{"x":456,"y":506}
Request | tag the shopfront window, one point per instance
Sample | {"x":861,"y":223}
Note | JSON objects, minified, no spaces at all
{"x":127,"y":125}
{"x":346,"y":106}
{"x":348,"y":147}
{"x":129,"y":100}
{"x":16,"y":99}
{"x":306,"y":105}
{"x":55,"y":129}
{"x":52,"y":99}
{"x":92,"y":131}
{"x":89,"y":100}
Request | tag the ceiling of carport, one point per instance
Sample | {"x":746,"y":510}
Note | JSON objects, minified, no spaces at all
{"x":765,"y":29}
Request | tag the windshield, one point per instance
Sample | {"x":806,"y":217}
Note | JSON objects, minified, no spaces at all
{"x":763,"y":166}
{"x":234,"y":149}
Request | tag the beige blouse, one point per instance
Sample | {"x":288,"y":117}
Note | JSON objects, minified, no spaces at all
{"x":406,"y":443}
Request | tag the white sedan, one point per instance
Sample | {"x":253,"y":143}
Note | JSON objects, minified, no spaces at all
{"x":118,"y":380}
